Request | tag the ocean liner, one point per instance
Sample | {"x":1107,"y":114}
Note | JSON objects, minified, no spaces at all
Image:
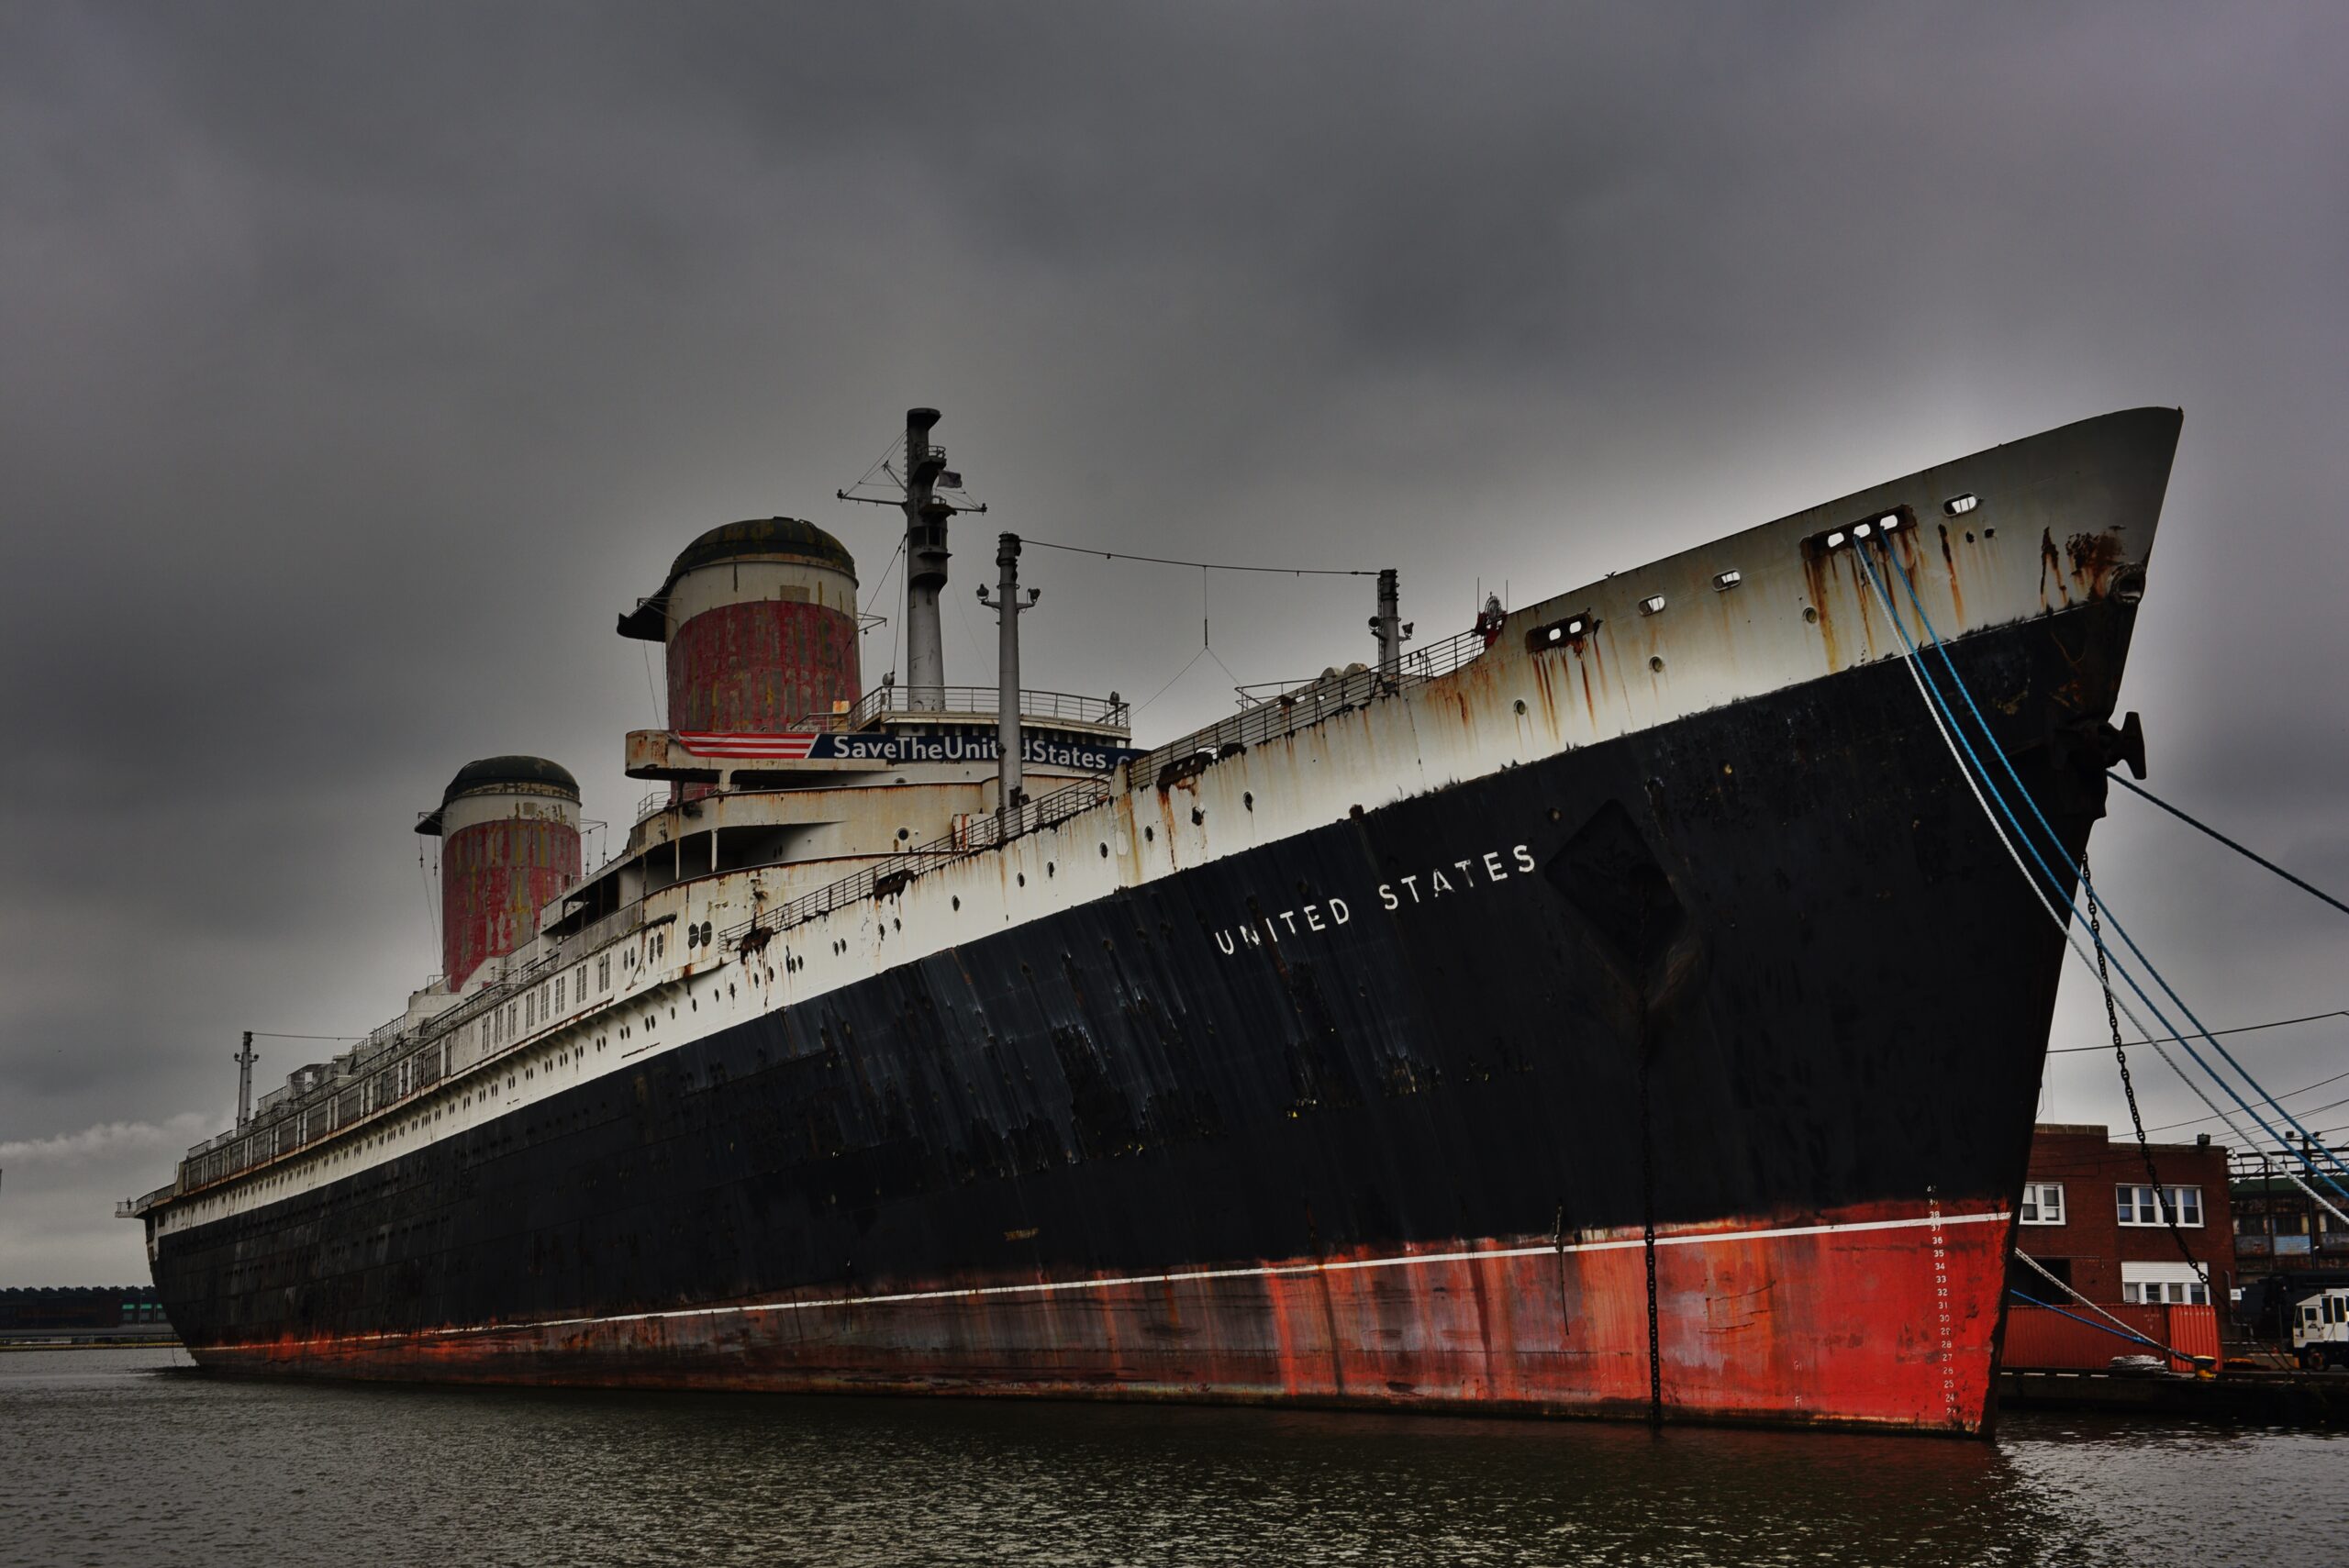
{"x":1622,"y":1008}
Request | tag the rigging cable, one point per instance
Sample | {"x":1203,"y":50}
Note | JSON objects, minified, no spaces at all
{"x":650,"y":695}
{"x":2242,"y":1029}
{"x":882,"y":581}
{"x":2230,"y":843}
{"x":1935,"y":711}
{"x":1933,"y":638}
{"x":1177,"y":676}
{"x":2288,"y":1094}
{"x":431,"y":905}
{"x":1202,"y":565}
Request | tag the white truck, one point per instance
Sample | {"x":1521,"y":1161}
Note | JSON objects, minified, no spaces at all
{"x":2321,"y":1328}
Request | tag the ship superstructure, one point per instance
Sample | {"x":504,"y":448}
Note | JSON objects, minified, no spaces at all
{"x":1616,"y":1008}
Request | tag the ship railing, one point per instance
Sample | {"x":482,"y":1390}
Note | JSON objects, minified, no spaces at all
{"x":1070,"y":707}
{"x":132,"y":1205}
{"x":1288,"y":712}
{"x":1286,"y":715}
{"x":264,"y":1135}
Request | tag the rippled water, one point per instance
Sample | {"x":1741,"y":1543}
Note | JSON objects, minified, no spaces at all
{"x":132,"y":1457}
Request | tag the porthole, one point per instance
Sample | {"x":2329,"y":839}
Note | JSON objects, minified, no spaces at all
{"x":1809,"y":614}
{"x":1655,"y":663}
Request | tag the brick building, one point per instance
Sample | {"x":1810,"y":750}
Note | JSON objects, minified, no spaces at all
{"x":2090,"y":1217}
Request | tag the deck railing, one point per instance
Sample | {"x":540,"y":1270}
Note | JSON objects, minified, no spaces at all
{"x":1107,"y":712}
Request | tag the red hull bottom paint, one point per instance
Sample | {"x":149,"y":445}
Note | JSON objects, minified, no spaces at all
{"x":1875,"y":1318}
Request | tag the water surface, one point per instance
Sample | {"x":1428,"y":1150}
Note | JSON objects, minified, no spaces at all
{"x":133,"y":1457}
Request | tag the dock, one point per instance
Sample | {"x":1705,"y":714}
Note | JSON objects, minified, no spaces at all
{"x":2245,"y":1396}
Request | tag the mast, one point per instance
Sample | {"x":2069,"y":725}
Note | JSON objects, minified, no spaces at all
{"x":1008,"y":608}
{"x":245,"y":1080}
{"x":926,"y":557}
{"x":1387,"y":626}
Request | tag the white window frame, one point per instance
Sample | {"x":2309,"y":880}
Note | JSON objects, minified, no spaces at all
{"x":2174,"y":1283}
{"x":2146,"y":1209}
{"x":2036,"y":1208}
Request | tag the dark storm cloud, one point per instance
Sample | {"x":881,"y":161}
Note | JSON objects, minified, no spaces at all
{"x":360,"y":362}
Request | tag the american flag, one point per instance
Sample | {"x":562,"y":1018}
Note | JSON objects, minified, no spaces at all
{"x":792,"y":746}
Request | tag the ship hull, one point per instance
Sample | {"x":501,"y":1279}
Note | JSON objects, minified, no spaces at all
{"x":1868,"y":1318}
{"x":1687,"y":1075}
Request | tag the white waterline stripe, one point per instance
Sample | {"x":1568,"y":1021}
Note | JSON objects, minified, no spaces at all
{"x":1262,"y":1271}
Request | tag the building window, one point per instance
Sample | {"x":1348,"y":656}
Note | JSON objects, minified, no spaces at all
{"x":2154,"y":1284}
{"x":2137,"y":1205}
{"x":2043,"y":1204}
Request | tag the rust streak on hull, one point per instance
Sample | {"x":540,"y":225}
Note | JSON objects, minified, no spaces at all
{"x":1832,"y":1327}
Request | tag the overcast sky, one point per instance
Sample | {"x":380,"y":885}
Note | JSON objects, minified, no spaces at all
{"x":359,"y":363}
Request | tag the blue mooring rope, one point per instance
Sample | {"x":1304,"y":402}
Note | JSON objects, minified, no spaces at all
{"x":2117,"y":1333}
{"x":2168,"y":990}
{"x":1932,"y":690}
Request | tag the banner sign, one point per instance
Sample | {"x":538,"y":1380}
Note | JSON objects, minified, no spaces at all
{"x":910,"y":745}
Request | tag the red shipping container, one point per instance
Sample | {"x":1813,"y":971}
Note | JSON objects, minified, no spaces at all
{"x":2042,"y":1339}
